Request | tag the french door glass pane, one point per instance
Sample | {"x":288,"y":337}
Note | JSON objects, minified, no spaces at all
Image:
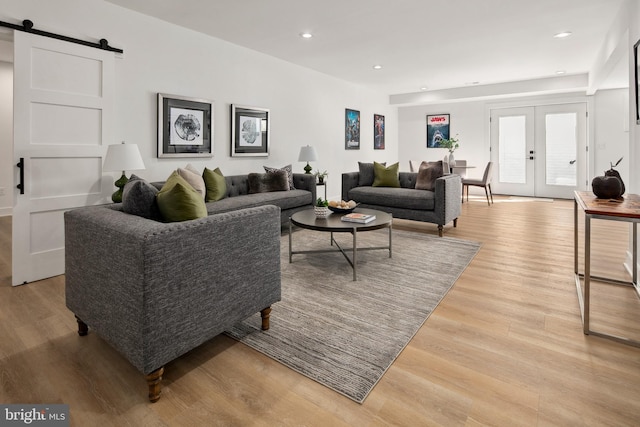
{"x":561,"y":142}
{"x":512,"y":149}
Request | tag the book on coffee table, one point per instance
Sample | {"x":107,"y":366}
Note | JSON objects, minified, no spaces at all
{"x":358,"y":217}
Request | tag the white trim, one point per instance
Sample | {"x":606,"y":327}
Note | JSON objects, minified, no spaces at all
{"x":6,"y":211}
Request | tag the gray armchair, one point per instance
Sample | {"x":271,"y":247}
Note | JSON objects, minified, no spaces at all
{"x":157,"y":290}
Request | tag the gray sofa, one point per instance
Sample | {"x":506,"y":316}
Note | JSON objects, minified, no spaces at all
{"x":289,"y":202}
{"x":438,"y":207}
{"x":156,"y":290}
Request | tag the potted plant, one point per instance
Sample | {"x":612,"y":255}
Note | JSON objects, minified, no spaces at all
{"x":321,"y":208}
{"x":452,"y":145}
{"x":320,"y":176}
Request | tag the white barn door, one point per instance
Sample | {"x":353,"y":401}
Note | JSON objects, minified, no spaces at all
{"x":63,"y":114}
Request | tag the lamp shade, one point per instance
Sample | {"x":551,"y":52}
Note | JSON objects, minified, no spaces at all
{"x":307,"y":154}
{"x":122,"y":157}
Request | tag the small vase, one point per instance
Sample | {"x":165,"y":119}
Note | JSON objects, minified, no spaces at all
{"x":321,"y":211}
{"x":320,"y":180}
{"x":452,"y":160}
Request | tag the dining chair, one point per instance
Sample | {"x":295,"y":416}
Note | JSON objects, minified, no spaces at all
{"x":485,"y":182}
{"x":460,"y":168}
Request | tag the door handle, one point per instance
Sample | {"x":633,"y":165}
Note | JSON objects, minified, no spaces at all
{"x":572,"y":162}
{"x":530,"y":157}
{"x":20,"y":186}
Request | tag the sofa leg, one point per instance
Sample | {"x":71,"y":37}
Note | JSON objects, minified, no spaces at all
{"x":153,"y":381}
{"x":265,"y":314}
{"x":440,"y":228}
{"x":455,"y":223}
{"x":83,"y":329}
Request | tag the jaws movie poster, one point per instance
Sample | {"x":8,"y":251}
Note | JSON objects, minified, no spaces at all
{"x":437,"y":129}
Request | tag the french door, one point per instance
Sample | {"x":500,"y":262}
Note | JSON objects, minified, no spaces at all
{"x":63,"y":108}
{"x":539,"y":151}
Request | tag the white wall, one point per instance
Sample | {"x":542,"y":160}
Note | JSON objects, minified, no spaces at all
{"x":611,"y":140}
{"x":6,"y":138}
{"x":306,"y":107}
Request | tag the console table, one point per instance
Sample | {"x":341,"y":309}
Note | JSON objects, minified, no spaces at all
{"x":627,"y":209}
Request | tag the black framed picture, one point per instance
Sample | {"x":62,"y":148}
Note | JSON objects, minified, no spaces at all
{"x":185,"y":126}
{"x":437,"y":129}
{"x":637,"y":80}
{"x":378,"y":132}
{"x":249,"y":131}
{"x":351,"y":129}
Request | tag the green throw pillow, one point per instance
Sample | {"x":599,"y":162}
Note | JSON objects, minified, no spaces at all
{"x":179,"y":201}
{"x":386,"y":176}
{"x":215,"y":183}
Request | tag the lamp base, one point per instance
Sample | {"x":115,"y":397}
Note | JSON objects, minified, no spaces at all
{"x":307,"y":169}
{"x":120,"y":183}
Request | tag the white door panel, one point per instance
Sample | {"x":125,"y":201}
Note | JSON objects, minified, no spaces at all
{"x":63,"y":107}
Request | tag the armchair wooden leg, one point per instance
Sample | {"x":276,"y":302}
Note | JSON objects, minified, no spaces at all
{"x":153,"y":381}
{"x":265,"y":314}
{"x":440,"y":230}
{"x":83,"y":329}
{"x":455,"y":223}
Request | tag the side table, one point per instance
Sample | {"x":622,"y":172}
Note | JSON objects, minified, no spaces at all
{"x":323,"y":184}
{"x":614,"y":210}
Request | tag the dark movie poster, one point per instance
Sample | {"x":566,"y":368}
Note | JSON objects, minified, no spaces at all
{"x":351,"y":129}
{"x":437,"y":130}
{"x":378,"y":132}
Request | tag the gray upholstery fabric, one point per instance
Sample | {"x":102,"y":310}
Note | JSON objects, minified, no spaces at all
{"x":156,"y":290}
{"x":288,"y":169}
{"x":440,"y":206}
{"x":366,"y":175}
{"x":289,"y":201}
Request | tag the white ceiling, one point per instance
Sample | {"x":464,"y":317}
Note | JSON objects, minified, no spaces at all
{"x":433,"y":43}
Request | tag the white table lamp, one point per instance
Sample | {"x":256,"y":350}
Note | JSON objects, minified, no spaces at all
{"x":122,"y":157}
{"x":307,"y":154}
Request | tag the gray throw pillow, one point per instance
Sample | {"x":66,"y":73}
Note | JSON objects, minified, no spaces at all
{"x":139,"y":198}
{"x":267,"y":182}
{"x":366,"y":175}
{"x":288,"y":169}
{"x":427,"y":175}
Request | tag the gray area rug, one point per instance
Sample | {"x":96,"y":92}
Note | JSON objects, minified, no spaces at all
{"x":345,"y":334}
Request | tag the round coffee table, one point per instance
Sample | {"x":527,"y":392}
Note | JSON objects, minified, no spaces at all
{"x":334,"y":224}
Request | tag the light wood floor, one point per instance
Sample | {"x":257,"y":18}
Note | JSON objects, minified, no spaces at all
{"x":505,"y":347}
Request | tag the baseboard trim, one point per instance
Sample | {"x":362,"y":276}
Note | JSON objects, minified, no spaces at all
{"x":6,"y":211}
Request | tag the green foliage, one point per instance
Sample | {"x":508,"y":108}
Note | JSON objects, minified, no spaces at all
{"x":322,"y":203}
{"x":319,"y":174}
{"x":617,"y":163}
{"x":450,"y":144}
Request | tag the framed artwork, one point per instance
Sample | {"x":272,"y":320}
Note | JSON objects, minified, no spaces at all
{"x":378,"y":132}
{"x":351,"y":129}
{"x":185,"y":126}
{"x":437,"y":129}
{"x":637,"y":80}
{"x":249,"y":131}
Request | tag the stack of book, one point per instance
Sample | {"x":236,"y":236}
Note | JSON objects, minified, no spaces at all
{"x":358,"y":217}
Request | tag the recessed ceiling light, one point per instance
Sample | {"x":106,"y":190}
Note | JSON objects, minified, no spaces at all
{"x":563,"y":34}
{"x":560,"y":72}
{"x":377,"y":67}
{"x":306,"y":35}
{"x":424,"y":88}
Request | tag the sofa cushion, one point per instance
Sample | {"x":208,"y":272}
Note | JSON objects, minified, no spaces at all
{"x":405,"y":198}
{"x":193,"y":177}
{"x":179,"y":201}
{"x":276,"y":180}
{"x":365,"y":177}
{"x":427,"y":175}
{"x":139,"y":198}
{"x":385,"y":176}
{"x":288,"y":169}
{"x":282,"y":199}
{"x":215,"y":184}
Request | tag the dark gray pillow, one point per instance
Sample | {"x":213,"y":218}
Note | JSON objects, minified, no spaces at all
{"x":366,"y":176}
{"x":427,"y":175}
{"x":266,"y":182}
{"x":139,"y":198}
{"x":288,"y":169}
